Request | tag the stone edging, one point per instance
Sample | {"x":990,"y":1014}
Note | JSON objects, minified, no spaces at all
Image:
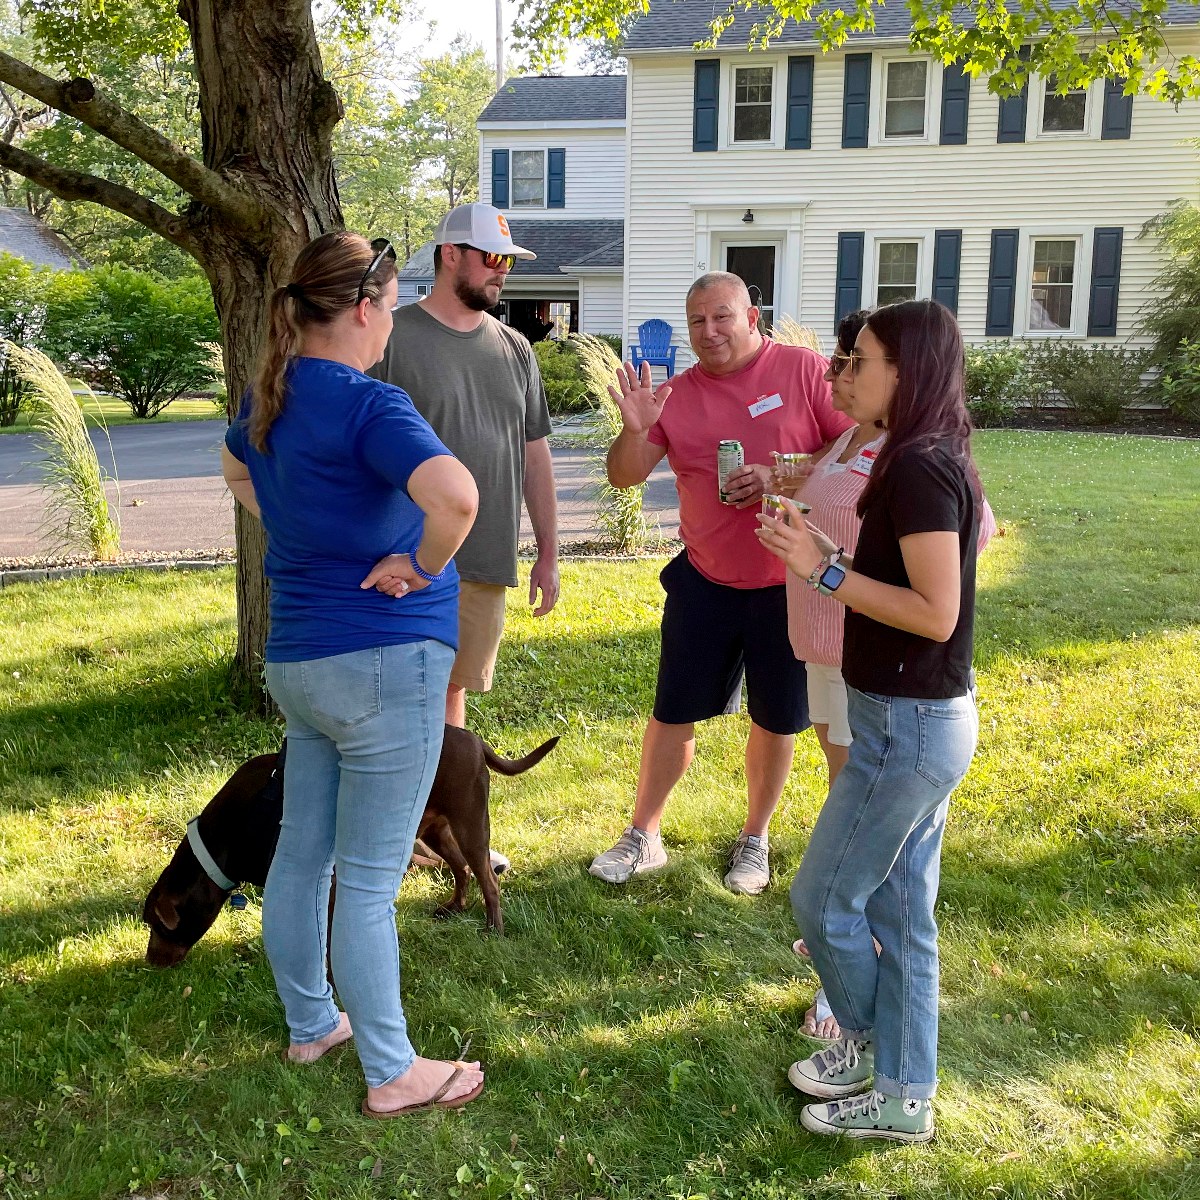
{"x":47,"y":574}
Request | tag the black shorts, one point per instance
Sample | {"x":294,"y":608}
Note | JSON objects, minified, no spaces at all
{"x":712,"y":635}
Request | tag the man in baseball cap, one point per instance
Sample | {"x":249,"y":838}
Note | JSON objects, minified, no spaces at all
{"x":476,"y":381}
{"x":481,"y":226}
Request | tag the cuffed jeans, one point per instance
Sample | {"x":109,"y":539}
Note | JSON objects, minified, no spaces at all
{"x":872,"y":868}
{"x":364,"y":737}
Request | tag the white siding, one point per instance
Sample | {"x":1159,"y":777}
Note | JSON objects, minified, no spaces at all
{"x":804,"y":198}
{"x":600,"y":304}
{"x":595,"y":169}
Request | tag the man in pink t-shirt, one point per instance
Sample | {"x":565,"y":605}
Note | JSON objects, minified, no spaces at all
{"x":726,"y":611}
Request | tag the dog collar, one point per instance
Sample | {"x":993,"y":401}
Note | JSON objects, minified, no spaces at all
{"x":206,"y":860}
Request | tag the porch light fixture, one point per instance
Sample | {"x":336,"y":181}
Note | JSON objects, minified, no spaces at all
{"x":748,"y":218}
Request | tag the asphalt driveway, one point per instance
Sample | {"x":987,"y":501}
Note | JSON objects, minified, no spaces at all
{"x":172,"y":499}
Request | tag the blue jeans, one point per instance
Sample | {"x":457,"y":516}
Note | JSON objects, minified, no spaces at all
{"x":364,"y":737}
{"x":872,"y":867}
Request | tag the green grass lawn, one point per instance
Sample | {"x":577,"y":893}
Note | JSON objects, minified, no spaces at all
{"x":116,"y":412}
{"x":636,"y":1040}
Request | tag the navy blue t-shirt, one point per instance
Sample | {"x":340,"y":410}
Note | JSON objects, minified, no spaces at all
{"x":332,"y":489}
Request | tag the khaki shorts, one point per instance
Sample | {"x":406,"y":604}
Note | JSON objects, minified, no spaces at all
{"x":480,"y":627}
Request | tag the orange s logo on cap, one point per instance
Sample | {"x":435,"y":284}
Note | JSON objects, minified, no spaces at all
{"x":503,"y":224}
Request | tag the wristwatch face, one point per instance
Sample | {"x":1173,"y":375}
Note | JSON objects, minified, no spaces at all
{"x":832,"y":576}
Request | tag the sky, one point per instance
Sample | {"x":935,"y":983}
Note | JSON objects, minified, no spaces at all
{"x":477,"y":19}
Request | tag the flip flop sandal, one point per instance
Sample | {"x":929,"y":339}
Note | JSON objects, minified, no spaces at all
{"x":821,"y":1012}
{"x":434,"y":1101}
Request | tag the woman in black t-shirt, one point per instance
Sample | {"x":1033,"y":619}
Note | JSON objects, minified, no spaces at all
{"x":871,"y":867}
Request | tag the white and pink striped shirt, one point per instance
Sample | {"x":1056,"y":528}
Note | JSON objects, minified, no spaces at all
{"x":815,"y":622}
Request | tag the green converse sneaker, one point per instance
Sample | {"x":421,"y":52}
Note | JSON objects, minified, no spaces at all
{"x":872,"y":1115}
{"x":841,"y":1070}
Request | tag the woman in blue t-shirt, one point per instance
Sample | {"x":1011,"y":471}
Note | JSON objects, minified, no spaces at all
{"x":872,"y":864}
{"x":364,"y":509}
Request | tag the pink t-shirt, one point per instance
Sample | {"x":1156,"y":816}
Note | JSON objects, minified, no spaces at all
{"x":777,"y":401}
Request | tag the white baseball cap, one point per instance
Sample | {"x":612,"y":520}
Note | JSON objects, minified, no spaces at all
{"x":481,"y":226}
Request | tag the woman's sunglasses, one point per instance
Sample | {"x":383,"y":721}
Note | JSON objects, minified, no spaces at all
{"x":839,"y":361}
{"x":383,"y":249}
{"x":491,"y":260}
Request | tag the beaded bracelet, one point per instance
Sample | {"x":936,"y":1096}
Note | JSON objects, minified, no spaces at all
{"x":425,"y":575}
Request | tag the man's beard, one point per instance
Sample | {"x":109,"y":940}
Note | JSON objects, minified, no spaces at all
{"x":475,"y":298}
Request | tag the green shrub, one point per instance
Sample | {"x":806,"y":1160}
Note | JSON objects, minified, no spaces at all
{"x":996,"y":381}
{"x":1172,"y":314}
{"x":21,"y":315}
{"x":1097,"y":382}
{"x":133,"y":335}
{"x":1180,"y":381}
{"x":613,"y":342}
{"x":562,"y":377}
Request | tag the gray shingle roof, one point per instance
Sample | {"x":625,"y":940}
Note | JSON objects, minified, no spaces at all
{"x":559,"y":98}
{"x":680,"y":24}
{"x":23,"y":235}
{"x":556,"y":244}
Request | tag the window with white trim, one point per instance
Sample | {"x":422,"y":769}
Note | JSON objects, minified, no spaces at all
{"x":896,"y":271}
{"x":906,"y":86}
{"x":528,"y":179}
{"x":423,"y":289}
{"x":1066,"y":113}
{"x":753,"y":103}
{"x":1052,"y":280}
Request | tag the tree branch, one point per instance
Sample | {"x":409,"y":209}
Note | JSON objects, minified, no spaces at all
{"x":79,"y":98}
{"x":76,"y":185}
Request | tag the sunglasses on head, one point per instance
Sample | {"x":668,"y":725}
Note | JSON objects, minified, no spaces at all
{"x":491,"y":260}
{"x":383,"y":249}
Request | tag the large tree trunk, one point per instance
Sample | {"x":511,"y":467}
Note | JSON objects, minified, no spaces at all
{"x":268,"y":116}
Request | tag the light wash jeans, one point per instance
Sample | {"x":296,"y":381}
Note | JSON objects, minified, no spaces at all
{"x":872,"y":867}
{"x":364,"y":737}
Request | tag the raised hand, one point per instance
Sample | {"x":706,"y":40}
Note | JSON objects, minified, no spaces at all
{"x":640,"y":402}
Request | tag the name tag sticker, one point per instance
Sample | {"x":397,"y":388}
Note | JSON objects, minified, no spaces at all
{"x":766,"y":404}
{"x":863,"y":462}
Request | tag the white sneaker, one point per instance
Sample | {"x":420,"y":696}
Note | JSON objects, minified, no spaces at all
{"x":635,"y":852}
{"x":749,"y":871}
{"x":840,"y":1071}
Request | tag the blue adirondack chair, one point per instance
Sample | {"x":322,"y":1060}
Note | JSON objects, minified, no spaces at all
{"x":654,"y":346}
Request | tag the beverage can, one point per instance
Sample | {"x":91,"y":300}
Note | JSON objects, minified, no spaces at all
{"x":730,"y":457}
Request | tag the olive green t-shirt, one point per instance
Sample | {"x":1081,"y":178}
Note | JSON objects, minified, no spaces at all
{"x":482,"y":393}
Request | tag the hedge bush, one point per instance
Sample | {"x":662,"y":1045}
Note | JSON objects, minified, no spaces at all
{"x":1098,"y":383}
{"x":996,"y":382}
{"x":562,"y":377}
{"x":1180,"y":381}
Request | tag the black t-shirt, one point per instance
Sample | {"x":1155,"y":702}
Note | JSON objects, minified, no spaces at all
{"x":924,"y":490}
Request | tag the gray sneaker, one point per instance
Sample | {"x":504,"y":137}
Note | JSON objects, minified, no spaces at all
{"x":635,"y":852}
{"x":872,"y":1115}
{"x":841,"y":1070}
{"x":749,"y":871}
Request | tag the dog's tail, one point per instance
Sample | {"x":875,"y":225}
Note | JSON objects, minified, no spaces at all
{"x":514,"y":766}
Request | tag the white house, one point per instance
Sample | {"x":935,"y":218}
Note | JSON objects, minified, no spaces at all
{"x":552,"y":156}
{"x":870,"y":174}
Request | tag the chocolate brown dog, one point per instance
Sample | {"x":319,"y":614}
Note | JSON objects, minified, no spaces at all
{"x":239,"y":828}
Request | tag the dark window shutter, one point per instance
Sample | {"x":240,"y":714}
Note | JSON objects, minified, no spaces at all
{"x":556,"y":178}
{"x":1106,"y":280}
{"x":706,"y":94}
{"x":848,"y":289}
{"x":1010,"y":126}
{"x":1002,"y":284}
{"x":856,"y":102}
{"x":500,"y":178}
{"x":956,"y":99}
{"x":1118,"y":111}
{"x":799,"y":102}
{"x":947,"y":250}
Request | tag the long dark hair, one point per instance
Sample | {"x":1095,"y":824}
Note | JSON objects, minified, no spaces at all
{"x":922,"y":338}
{"x":325,"y":282}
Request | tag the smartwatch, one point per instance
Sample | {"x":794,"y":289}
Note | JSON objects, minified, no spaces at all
{"x":831,"y":579}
